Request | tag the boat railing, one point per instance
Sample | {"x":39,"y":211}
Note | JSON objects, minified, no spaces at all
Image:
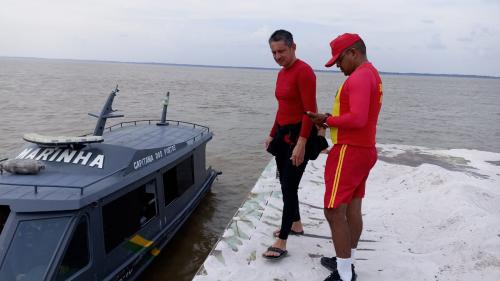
{"x":204,"y":129}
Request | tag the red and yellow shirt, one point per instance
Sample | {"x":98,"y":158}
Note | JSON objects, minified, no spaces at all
{"x":356,"y":108}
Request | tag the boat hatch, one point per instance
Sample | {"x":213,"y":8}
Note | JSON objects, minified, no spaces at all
{"x":54,"y":141}
{"x":32,"y":248}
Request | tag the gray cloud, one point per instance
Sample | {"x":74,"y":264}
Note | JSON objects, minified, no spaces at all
{"x":228,"y":32}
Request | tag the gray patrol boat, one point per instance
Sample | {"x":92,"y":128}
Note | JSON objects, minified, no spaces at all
{"x":100,"y":206}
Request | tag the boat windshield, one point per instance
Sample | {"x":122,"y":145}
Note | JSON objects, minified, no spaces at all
{"x":4,"y":214}
{"x":32,"y":248}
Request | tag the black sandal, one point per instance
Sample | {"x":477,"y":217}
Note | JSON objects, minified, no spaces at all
{"x":281,"y":253}
{"x":293,"y":232}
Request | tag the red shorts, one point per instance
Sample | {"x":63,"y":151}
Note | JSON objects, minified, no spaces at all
{"x":346,"y":171}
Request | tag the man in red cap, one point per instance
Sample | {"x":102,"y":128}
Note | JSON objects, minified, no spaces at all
{"x":352,"y":123}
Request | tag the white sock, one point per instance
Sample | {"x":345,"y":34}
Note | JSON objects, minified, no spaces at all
{"x":353,"y":254}
{"x":344,"y":268}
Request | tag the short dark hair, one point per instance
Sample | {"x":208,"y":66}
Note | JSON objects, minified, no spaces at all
{"x":282,"y":35}
{"x":360,"y":45}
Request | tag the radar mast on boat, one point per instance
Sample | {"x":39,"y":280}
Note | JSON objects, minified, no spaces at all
{"x":164,"y":112}
{"x":77,"y":142}
{"x":106,"y":112}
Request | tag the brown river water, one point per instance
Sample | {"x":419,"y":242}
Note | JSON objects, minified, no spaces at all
{"x":54,"y":96}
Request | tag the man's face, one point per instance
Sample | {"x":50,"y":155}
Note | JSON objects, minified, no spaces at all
{"x":282,"y":54}
{"x":345,"y":61}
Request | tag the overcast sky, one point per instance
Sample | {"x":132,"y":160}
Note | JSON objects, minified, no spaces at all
{"x":424,"y":36}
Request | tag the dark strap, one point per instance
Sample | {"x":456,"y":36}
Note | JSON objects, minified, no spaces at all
{"x":277,"y":250}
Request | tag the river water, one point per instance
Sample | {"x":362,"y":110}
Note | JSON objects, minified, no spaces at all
{"x":54,"y":96}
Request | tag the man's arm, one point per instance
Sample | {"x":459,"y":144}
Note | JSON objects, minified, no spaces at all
{"x":273,"y":132}
{"x":307,"y":88}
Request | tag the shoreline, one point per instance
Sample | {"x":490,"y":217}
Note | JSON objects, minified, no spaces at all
{"x":451,"y":75}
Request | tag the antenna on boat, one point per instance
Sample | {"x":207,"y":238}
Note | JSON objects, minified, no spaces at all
{"x":106,"y":112}
{"x":164,"y":112}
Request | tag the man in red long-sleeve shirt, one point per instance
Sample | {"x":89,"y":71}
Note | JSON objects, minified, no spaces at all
{"x":352,"y":125}
{"x":296,"y":94}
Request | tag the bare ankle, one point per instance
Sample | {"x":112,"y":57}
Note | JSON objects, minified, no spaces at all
{"x":297,"y":226}
{"x":280,"y":243}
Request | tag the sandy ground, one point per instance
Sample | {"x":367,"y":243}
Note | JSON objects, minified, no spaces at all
{"x":428,"y":215}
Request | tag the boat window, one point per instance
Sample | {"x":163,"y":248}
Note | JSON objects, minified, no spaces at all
{"x":4,"y":214}
{"x":178,"y":179}
{"x":127,"y":214}
{"x":32,"y":248}
{"x":77,"y":255}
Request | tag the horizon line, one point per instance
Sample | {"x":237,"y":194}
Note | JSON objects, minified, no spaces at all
{"x":257,"y":67}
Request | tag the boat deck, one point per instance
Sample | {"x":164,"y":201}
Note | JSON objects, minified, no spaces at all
{"x":409,"y":230}
{"x":75,"y":177}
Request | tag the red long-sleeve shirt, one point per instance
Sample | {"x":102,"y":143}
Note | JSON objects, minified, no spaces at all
{"x":296,"y":94}
{"x":356,"y":108}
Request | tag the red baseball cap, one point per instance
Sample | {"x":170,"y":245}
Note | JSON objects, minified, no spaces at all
{"x":339,"y":44}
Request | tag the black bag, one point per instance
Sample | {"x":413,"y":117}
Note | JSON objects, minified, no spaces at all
{"x":273,"y":146}
{"x":315,"y":143}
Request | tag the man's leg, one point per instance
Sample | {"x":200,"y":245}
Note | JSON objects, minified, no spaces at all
{"x":290,"y":202}
{"x":289,"y":188}
{"x":355,"y":221}
{"x":338,"y":191}
{"x":297,"y":174}
{"x":281,"y":164}
{"x":355,"y":217}
{"x":341,"y":235}
{"x":290,"y":177}
{"x":339,"y":227}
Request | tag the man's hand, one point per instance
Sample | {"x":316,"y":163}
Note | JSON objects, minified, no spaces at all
{"x":267,"y":142}
{"x":298,"y":152}
{"x":317,"y":118}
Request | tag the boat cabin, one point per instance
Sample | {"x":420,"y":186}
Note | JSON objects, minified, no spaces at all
{"x":100,"y":208}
